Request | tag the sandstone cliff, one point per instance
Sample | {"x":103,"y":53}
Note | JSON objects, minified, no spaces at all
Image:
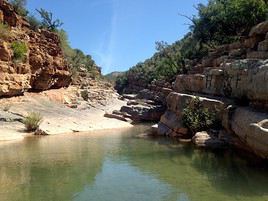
{"x":42,"y":68}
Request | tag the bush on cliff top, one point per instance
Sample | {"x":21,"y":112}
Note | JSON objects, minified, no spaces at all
{"x":198,"y":118}
{"x":75,"y":57}
{"x":32,"y":121}
{"x":19,"y":50}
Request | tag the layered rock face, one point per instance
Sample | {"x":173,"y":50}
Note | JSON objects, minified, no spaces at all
{"x":171,"y":123}
{"x":42,"y":68}
{"x":233,"y":84}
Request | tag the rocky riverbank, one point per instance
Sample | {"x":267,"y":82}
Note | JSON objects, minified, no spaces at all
{"x":63,"y":111}
{"x":43,"y":68}
{"x":231,"y":83}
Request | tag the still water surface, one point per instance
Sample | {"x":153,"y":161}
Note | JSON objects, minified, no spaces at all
{"x":120,"y":165}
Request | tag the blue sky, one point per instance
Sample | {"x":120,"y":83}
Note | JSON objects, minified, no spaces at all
{"x":120,"y":33}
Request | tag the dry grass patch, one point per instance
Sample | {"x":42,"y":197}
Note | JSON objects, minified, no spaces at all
{"x":32,"y":121}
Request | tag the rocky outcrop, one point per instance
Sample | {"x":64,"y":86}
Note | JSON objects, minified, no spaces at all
{"x":171,"y":123}
{"x":241,"y":79}
{"x":144,"y":112}
{"x":232,"y":83}
{"x":9,"y":16}
{"x":48,"y":67}
{"x":42,"y":68}
{"x":252,"y":47}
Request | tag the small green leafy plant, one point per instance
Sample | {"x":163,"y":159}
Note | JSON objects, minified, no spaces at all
{"x":196,"y":117}
{"x":32,"y":121}
{"x":19,"y":50}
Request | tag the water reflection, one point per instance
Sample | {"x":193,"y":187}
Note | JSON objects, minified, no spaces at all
{"x":124,"y":178}
{"x":48,"y":168}
{"x":118,"y":165}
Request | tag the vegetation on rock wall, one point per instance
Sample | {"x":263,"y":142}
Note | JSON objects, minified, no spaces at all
{"x":219,"y":22}
{"x":76,"y":59}
{"x":196,"y":117}
{"x":112,"y":77}
{"x":19,"y":50}
{"x":223,"y":21}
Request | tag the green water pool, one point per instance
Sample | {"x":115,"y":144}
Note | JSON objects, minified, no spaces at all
{"x":123,"y":165}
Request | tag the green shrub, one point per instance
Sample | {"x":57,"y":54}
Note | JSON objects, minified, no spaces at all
{"x":19,"y":50}
{"x":121,"y":83}
{"x":198,"y":118}
{"x":4,"y":31}
{"x":76,"y":59}
{"x":32,"y":121}
{"x":221,"y":21}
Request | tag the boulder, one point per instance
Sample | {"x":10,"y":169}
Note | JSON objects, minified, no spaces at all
{"x":171,"y":125}
{"x":140,"y":113}
{"x":260,"y":29}
{"x":252,"y":128}
{"x":208,"y":140}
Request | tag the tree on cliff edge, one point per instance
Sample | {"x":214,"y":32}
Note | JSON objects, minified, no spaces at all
{"x":47,"y":20}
